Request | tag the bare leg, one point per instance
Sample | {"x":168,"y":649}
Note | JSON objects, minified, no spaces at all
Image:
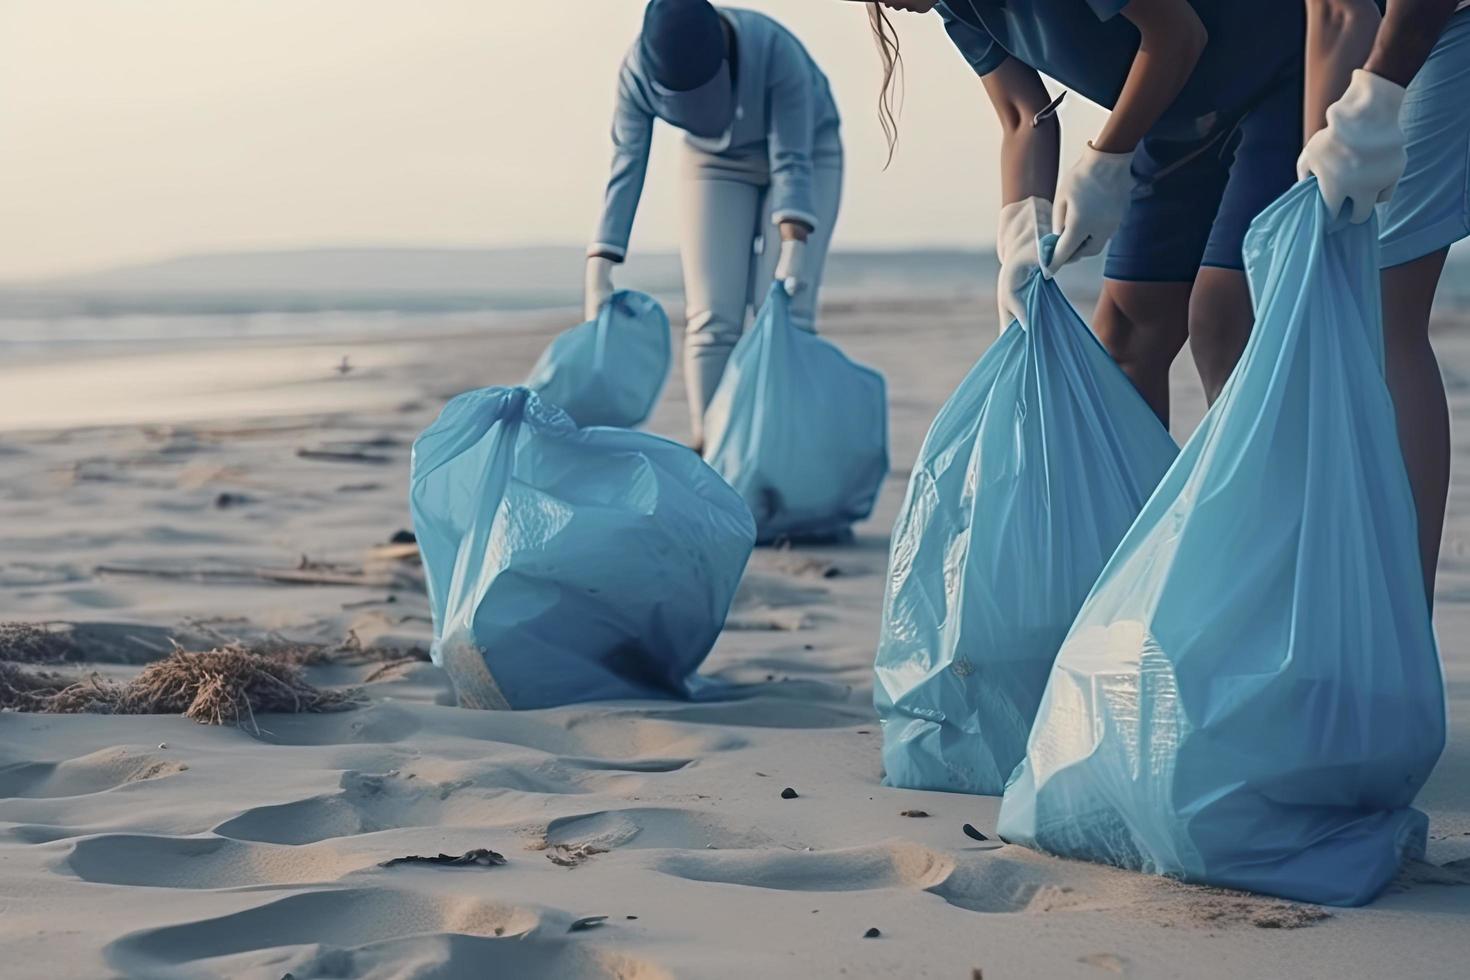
{"x":1144,"y":326}
{"x":1220,"y":321}
{"x":1418,"y":396}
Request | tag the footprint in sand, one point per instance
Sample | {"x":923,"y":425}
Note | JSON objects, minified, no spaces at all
{"x":653,"y":827}
{"x":377,"y":932}
{"x":97,"y":772}
{"x":990,"y":884}
{"x":204,"y":862}
{"x":471,"y":794}
{"x":1105,"y":961}
{"x":769,"y":710}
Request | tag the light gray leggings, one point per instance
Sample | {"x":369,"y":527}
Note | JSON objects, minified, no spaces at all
{"x":729,"y":250}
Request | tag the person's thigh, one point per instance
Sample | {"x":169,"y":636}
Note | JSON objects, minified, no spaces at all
{"x":719,"y":213}
{"x":1430,"y":208}
{"x":1177,"y":189}
{"x":1262,"y":159}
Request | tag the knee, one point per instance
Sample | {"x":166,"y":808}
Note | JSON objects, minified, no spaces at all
{"x":1219,"y":325}
{"x":1139,"y":338}
{"x":713,"y":328}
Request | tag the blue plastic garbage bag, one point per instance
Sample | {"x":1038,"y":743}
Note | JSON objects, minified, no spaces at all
{"x":798,"y":429}
{"x":608,"y":371}
{"x":1251,"y":696}
{"x":1030,"y":475}
{"x":568,"y":564}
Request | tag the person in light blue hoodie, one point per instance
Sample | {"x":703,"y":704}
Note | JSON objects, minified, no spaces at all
{"x":762,"y":163}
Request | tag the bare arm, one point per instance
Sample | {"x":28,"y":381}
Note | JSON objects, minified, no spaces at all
{"x":1410,"y":30}
{"x":1339,"y":36}
{"x":1028,"y":153}
{"x":1171,"y":38}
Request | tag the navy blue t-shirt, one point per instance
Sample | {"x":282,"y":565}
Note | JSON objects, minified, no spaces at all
{"x":1089,"y":48}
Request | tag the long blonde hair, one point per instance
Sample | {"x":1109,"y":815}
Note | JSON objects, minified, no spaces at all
{"x":890,"y":97}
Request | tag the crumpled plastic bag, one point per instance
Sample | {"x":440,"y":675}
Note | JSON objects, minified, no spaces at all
{"x":1251,"y":697}
{"x":608,"y":371}
{"x":1030,"y":475}
{"x":568,"y":564}
{"x":798,"y":429}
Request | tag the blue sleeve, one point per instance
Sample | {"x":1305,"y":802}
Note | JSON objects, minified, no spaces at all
{"x":632,"y":135}
{"x":976,"y":44}
{"x":792,"y":120}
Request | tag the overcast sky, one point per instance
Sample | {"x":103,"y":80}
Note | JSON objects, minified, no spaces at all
{"x":135,"y":129}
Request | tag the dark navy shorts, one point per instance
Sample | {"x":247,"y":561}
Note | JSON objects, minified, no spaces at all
{"x":1194,"y":198}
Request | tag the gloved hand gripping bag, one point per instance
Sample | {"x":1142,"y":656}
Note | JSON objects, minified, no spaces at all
{"x":798,"y":429}
{"x":1251,"y":696}
{"x":568,"y":564}
{"x":608,"y":371}
{"x":1030,"y":475}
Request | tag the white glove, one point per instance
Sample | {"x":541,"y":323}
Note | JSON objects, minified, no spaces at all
{"x":1022,"y":226}
{"x":791,"y":266}
{"x":1090,"y":203}
{"x":598,"y":287}
{"x":1359,"y":157}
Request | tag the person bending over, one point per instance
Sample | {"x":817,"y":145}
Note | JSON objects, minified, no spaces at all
{"x":762,"y":159}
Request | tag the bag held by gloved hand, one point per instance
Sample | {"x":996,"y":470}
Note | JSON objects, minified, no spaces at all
{"x":1028,"y":478}
{"x":798,"y":429}
{"x":568,"y":564}
{"x":1251,"y":696}
{"x":609,"y":370}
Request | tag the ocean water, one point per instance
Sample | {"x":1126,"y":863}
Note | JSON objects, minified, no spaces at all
{"x":325,"y":293}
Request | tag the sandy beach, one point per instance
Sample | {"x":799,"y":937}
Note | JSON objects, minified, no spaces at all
{"x":247,"y":491}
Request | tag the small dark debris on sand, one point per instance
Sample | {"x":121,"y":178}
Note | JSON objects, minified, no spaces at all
{"x":972,"y":833}
{"x":788,"y":793}
{"x":872,"y":933}
{"x":630,"y":916}
{"x":479,"y":857}
{"x":913,"y":813}
{"x":586,"y":922}
{"x":226,"y":500}
{"x":37,"y":643}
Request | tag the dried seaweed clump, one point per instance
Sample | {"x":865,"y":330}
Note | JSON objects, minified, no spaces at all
{"x":226,"y":686}
{"x":36,"y":643}
{"x":29,"y":690}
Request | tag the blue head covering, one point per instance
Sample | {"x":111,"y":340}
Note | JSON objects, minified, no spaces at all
{"x":684,"y":52}
{"x":683,"y":43}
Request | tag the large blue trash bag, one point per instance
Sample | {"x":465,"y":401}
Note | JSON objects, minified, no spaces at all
{"x":608,"y":371}
{"x":1030,"y":475}
{"x":568,"y":564}
{"x":1251,"y":696}
{"x":798,"y":429}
